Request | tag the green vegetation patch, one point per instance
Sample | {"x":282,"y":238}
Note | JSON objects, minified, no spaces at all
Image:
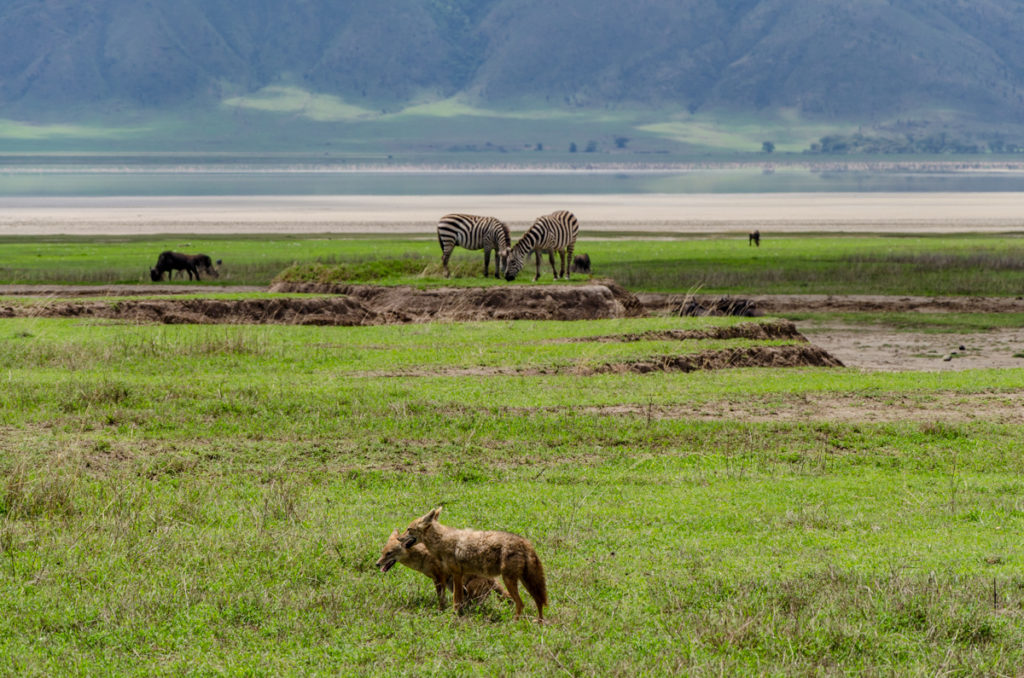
{"x":366,"y":271}
{"x":724,"y":264}
{"x":212,"y":499}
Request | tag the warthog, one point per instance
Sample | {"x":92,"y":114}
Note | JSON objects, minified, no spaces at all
{"x":581,"y":263}
{"x":754,"y":238}
{"x":176,"y":261}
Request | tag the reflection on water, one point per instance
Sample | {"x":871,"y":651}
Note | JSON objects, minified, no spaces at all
{"x":228,"y":181}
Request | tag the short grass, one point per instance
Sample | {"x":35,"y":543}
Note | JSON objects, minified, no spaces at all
{"x":822,"y":264}
{"x":190,"y":499}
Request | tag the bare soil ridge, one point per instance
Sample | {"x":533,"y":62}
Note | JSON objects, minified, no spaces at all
{"x":804,"y":355}
{"x":283,"y":311}
{"x":777,"y":329}
{"x":696,"y":304}
{"x":549,"y":302}
{"x":353,"y":305}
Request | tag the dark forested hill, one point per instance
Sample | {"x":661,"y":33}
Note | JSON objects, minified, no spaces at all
{"x":834,"y":59}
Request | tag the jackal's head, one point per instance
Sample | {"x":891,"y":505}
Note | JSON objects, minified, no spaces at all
{"x":391,"y":554}
{"x":419,"y":527}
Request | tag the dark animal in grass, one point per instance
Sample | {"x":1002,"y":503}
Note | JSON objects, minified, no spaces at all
{"x":581,"y":263}
{"x":754,"y":238}
{"x":192,"y":264}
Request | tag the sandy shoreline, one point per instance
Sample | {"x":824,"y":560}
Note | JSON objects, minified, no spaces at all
{"x":662,"y":213}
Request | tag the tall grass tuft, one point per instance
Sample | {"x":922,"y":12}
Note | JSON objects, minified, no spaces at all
{"x":30,"y":489}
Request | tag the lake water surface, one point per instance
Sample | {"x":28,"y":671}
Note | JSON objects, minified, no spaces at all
{"x":135,"y":180}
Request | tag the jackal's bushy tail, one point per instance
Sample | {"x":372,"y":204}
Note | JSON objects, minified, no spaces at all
{"x":533,"y":580}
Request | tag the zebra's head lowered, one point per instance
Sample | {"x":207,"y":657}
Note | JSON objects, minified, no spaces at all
{"x":515,"y":259}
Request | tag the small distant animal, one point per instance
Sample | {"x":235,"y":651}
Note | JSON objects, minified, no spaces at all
{"x":754,"y":238}
{"x":418,"y":558}
{"x":555,"y":232}
{"x":192,"y":264}
{"x":581,"y":263}
{"x":486,"y":554}
{"x":474,"y":233}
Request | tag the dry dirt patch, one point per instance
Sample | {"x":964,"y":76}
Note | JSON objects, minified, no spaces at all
{"x":946,"y":407}
{"x":887,"y":350}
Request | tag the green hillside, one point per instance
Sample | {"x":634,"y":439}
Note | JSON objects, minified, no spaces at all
{"x":459,"y":74}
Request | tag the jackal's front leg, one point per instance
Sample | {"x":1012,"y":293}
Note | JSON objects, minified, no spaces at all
{"x":439,"y":586}
{"x":458,"y":593}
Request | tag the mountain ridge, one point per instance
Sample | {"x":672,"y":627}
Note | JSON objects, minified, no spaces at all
{"x":868,"y":61}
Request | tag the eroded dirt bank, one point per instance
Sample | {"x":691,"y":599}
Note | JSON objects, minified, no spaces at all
{"x":804,"y":355}
{"x":604,"y":299}
{"x":774,"y":304}
{"x":356,"y":305}
{"x":282,"y":311}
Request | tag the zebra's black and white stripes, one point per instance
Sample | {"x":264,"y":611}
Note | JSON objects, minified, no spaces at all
{"x":474,"y":233}
{"x":550,"y":233}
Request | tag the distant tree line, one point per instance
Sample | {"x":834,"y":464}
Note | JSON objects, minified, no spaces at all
{"x":939,"y":142}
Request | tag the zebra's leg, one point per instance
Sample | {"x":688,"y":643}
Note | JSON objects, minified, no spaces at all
{"x":551,"y":258}
{"x":537,"y":255}
{"x":568,"y":261}
{"x":446,"y":253}
{"x":561,"y":260}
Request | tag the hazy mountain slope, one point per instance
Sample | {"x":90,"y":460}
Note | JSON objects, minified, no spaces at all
{"x":837,"y":59}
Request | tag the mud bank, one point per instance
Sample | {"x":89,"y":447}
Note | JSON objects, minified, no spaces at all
{"x":777,"y":329}
{"x":680,"y":304}
{"x":460,"y":304}
{"x":804,"y":355}
{"x":355,"y":305}
{"x":282,"y":311}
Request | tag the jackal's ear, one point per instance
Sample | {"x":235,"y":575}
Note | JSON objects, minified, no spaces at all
{"x":432,"y":516}
{"x":394,"y":533}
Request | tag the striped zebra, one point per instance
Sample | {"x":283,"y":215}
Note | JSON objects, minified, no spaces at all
{"x":550,"y":233}
{"x":474,"y":233}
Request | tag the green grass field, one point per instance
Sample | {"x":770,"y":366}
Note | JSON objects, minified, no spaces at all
{"x":211,"y":499}
{"x":823,"y":264}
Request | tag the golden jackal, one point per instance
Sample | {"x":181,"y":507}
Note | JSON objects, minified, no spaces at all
{"x":488,"y":554}
{"x":419,"y":559}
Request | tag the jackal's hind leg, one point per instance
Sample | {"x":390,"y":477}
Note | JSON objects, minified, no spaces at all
{"x":512,"y":586}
